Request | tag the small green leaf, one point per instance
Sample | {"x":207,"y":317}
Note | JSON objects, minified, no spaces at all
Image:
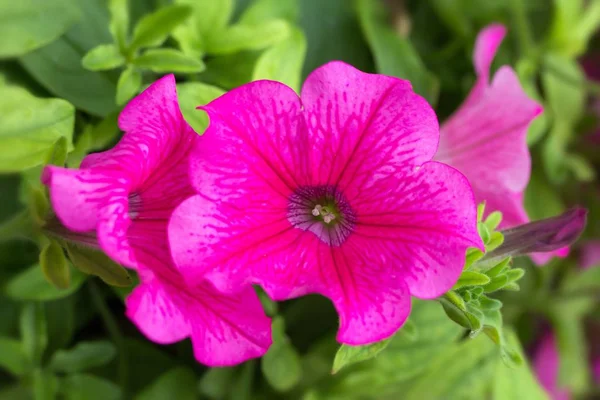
{"x":471,"y":278}
{"x":83,"y":356}
{"x":33,"y":332}
{"x":216,"y":382}
{"x":153,"y":29}
{"x":119,"y":23}
{"x":13,"y":358}
{"x":55,"y":266}
{"x":281,"y":365}
{"x":283,"y":62}
{"x":30,"y":127}
{"x":493,"y":220}
{"x":248,"y":37}
{"x":129,"y":85}
{"x":97,"y":263}
{"x":515,"y":274}
{"x":487,"y":303}
{"x":192,"y":95}
{"x":484,"y":232}
{"x":103,"y":57}
{"x":168,"y":60}
{"x":497,"y":283}
{"x":32,"y":285}
{"x":27,"y":25}
{"x":89,"y":387}
{"x":348,"y":355}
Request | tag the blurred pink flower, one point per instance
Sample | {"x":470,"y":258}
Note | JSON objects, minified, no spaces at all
{"x":546,"y":366}
{"x":590,"y":254}
{"x":486,"y":138}
{"x":126,"y":195}
{"x":333,"y":194}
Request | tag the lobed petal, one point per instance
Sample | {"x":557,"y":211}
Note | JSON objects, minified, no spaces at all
{"x":363,"y":125}
{"x":225,"y":330}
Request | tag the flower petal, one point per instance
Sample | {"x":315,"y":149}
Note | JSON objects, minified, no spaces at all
{"x":364,"y":125}
{"x":233,"y":246}
{"x":225,"y":330}
{"x":423,"y":228}
{"x":487,"y":141}
{"x":590,"y":254}
{"x":155,"y":134}
{"x":546,"y":366}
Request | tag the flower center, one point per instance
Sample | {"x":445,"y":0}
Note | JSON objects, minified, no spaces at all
{"x":324,"y":211}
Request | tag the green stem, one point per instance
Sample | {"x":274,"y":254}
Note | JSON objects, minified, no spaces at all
{"x":526,"y":43}
{"x":114,"y":332}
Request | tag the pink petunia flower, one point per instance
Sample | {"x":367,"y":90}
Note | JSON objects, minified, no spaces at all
{"x":333,"y":194}
{"x":486,"y":138}
{"x":126,"y":196}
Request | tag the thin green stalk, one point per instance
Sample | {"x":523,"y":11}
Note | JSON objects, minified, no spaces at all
{"x":113,"y":331}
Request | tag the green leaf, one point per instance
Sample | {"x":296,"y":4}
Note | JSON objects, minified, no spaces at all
{"x":28,"y":25}
{"x":471,"y":278}
{"x":13,"y":358}
{"x":33,"y":332}
{"x":129,"y":85}
{"x":105,"y":56}
{"x":248,"y":37}
{"x":394,"y":55}
{"x":452,"y":13}
{"x":153,"y":29}
{"x":32,"y":285}
{"x":177,"y":383}
{"x":192,"y":95}
{"x":168,"y":60}
{"x":55,"y":266}
{"x":281,"y":365}
{"x":261,"y":10}
{"x":216,"y":382}
{"x":209,"y":17}
{"x":45,"y":385}
{"x":119,"y":23}
{"x":83,"y":356}
{"x":58,"y":154}
{"x":283,"y":62}
{"x":97,"y":263}
{"x":30,"y":127}
{"x":460,"y":371}
{"x":516,"y":382}
{"x":348,"y":355}
{"x":57,"y":66}
{"x":89,"y":387}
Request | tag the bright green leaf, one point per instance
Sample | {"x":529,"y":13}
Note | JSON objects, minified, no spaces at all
{"x":169,"y":60}
{"x":283,"y":62}
{"x":83,"y":356}
{"x":13,"y":358}
{"x":32,"y":285}
{"x":105,"y":56}
{"x":192,"y":95}
{"x":153,"y":29}
{"x":89,"y":387}
{"x":119,"y":22}
{"x":55,"y":266}
{"x":45,"y":385}
{"x":29,"y":128}
{"x":348,"y":355}
{"x":129,"y":85}
{"x":27,"y":25}
{"x":471,"y":278}
{"x":248,"y":37}
{"x":262,"y":10}
{"x":97,"y":263}
{"x":394,"y":55}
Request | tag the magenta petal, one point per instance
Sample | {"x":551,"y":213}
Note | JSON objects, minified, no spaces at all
{"x":423,"y":230}
{"x":153,"y":311}
{"x":225,"y":330}
{"x":590,"y":254}
{"x":364,"y":125}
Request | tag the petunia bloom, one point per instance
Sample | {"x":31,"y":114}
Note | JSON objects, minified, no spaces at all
{"x":334,"y":193}
{"x":546,"y":364}
{"x":125,"y":196}
{"x":486,"y":138}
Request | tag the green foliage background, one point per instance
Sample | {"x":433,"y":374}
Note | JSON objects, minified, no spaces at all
{"x":68,"y":66}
